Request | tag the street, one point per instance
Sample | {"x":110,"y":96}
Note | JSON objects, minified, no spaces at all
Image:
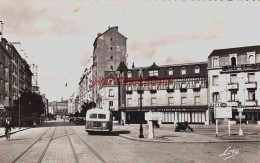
{"x":59,"y":141}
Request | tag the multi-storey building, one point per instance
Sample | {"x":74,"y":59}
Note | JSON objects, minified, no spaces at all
{"x":85,"y":87}
{"x":61,"y":108}
{"x":109,"y":51}
{"x":16,"y":77}
{"x":233,"y":80}
{"x":178,"y":92}
{"x":73,"y":103}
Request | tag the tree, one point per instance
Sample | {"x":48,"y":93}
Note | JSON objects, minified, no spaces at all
{"x":85,"y":107}
{"x":31,"y":105}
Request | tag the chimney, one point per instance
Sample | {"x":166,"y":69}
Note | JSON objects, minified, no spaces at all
{"x":99,"y":34}
{"x":116,"y":27}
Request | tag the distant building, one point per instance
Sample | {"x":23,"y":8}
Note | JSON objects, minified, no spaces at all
{"x":61,"y":108}
{"x":178,"y":92}
{"x":234,"y":74}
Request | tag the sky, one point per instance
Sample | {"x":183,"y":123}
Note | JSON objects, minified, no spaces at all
{"x":58,"y":35}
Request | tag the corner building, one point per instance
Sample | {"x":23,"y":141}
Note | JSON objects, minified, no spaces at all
{"x":234,"y":74}
{"x":182,"y":97}
{"x":109,"y":51}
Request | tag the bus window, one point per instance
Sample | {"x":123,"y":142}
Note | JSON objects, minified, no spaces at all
{"x":101,"y":116}
{"x":93,"y":116}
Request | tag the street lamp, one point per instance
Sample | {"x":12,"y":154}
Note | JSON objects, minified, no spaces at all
{"x":141,"y":91}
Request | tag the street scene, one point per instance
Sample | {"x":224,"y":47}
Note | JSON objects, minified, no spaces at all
{"x":129,"y":81}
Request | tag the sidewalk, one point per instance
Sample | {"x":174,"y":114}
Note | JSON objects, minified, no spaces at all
{"x":201,"y":134}
{"x":15,"y":130}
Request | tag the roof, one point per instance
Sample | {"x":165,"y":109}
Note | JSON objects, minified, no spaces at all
{"x":163,"y":70}
{"x":109,"y":28}
{"x":122,"y":67}
{"x":154,"y":66}
{"x":239,"y":50}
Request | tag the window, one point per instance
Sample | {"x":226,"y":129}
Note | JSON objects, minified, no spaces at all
{"x":111,"y":39}
{"x":251,"y":95}
{"x":183,"y":100}
{"x":197,"y":100}
{"x":153,"y":73}
{"x":153,"y":101}
{"x":101,"y":116}
{"x":139,"y":101}
{"x":110,"y":103}
{"x":197,"y":69}
{"x":233,"y":78}
{"x":170,"y":71}
{"x":93,"y":116}
{"x":111,"y":48}
{"x":111,"y":93}
{"x":129,"y":74}
{"x":140,"y":73}
{"x":233,"y":96}
{"x":111,"y":57}
{"x":183,"y":71}
{"x":251,"y":77}
{"x":129,"y":101}
{"x":170,"y":100}
{"x":233,"y":61}
{"x":251,"y":59}
{"x":215,"y":96}
{"x":111,"y":67}
{"x":215,"y":80}
{"x":215,"y":62}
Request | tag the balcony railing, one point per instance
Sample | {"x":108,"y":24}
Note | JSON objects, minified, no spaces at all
{"x":251,"y":102}
{"x":251,"y":85}
{"x":129,"y":92}
{"x":232,"y":85}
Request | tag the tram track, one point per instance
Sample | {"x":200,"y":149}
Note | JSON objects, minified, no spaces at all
{"x":73,"y":149}
{"x":91,"y":149}
{"x":39,"y":139}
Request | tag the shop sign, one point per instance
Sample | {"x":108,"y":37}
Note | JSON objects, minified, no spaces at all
{"x":153,"y":116}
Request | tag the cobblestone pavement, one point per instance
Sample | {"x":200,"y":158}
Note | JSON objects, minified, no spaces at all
{"x":65,"y":142}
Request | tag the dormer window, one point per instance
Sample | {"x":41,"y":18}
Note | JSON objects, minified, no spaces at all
{"x":233,"y":61}
{"x":153,"y":73}
{"x":140,"y":73}
{"x":170,"y":71}
{"x":183,"y":71}
{"x":251,"y":59}
{"x":197,"y":69}
{"x":129,"y":74}
{"x":215,"y":62}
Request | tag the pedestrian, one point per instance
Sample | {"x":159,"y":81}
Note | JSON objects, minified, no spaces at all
{"x":8,"y":125}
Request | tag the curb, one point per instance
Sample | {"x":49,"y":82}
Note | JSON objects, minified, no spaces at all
{"x":15,"y":132}
{"x":170,"y":141}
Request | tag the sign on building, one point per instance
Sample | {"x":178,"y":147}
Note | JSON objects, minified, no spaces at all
{"x":153,"y":116}
{"x":221,"y":112}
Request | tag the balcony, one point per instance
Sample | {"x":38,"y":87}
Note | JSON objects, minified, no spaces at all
{"x":112,"y":108}
{"x":169,"y":90}
{"x":251,"y":102}
{"x":232,"y":103}
{"x":153,"y":91}
{"x":233,"y":86}
{"x":129,"y":92}
{"x":251,"y":85}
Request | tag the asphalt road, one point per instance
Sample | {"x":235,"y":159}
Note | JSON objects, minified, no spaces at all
{"x":62,"y":142}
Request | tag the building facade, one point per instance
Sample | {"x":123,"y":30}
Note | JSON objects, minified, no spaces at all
{"x":61,"y":108}
{"x":15,"y":78}
{"x":233,"y":80}
{"x":177,"y":92}
{"x":109,"y":51}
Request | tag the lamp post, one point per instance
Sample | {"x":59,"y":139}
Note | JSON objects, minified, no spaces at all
{"x":140,"y":91}
{"x":19,"y":111}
